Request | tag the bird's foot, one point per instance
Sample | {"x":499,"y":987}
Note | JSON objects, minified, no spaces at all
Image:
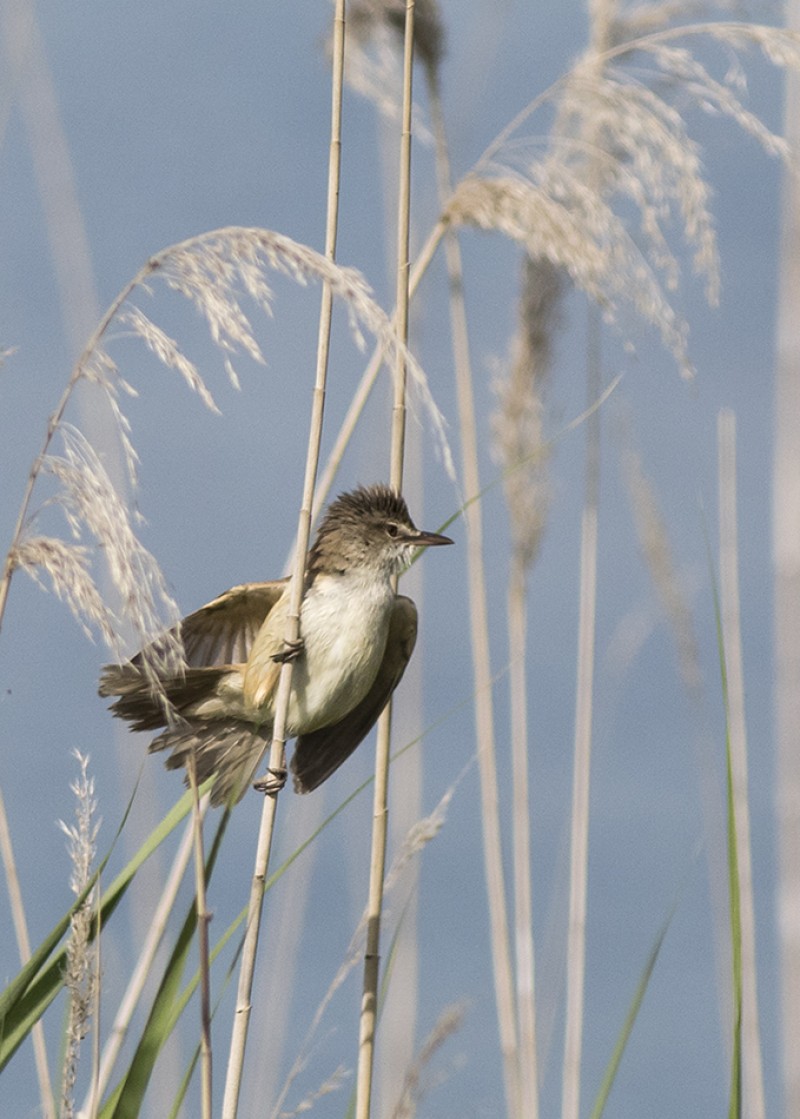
{"x":272,"y":782}
{"x":290,"y":652}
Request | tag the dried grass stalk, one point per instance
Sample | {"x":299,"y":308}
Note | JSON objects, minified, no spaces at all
{"x":17,"y":907}
{"x":416,"y":840}
{"x":448,"y":1023}
{"x":582,"y":746}
{"x":371,"y":978}
{"x":520,"y":447}
{"x":752,"y":1067}
{"x":786,"y":603}
{"x":81,"y":973}
{"x":654,"y":543}
{"x":334,"y":1083}
{"x":502,"y":969}
{"x":326,"y":264}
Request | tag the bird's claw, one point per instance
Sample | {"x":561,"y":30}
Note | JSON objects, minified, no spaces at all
{"x":272,"y":782}
{"x":290,"y":652}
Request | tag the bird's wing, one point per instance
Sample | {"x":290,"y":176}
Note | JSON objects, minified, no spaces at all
{"x":319,"y":753}
{"x":217,"y":639}
{"x":223,"y":631}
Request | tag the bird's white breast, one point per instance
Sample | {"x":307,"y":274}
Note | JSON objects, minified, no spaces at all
{"x":344,"y":623}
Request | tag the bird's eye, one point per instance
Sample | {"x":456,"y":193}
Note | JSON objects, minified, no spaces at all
{"x":392,"y":529}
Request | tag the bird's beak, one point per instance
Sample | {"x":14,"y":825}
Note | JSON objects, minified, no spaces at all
{"x":428,"y":539}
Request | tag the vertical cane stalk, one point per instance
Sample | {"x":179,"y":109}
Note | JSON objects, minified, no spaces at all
{"x":753,"y":1076}
{"x":46,"y":1098}
{"x":277,"y":750}
{"x":369,"y":999}
{"x":579,"y":827}
{"x":502,"y":968}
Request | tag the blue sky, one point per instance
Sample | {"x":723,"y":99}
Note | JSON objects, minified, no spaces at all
{"x":182,"y":118}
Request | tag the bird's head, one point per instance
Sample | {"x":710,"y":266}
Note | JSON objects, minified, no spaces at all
{"x":369,"y":528}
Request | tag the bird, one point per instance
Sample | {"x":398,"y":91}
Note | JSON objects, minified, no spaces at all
{"x":355,"y":639}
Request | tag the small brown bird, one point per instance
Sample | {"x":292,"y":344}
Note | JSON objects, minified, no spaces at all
{"x":356,"y":637}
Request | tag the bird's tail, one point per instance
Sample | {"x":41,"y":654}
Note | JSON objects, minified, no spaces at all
{"x":230,"y":749}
